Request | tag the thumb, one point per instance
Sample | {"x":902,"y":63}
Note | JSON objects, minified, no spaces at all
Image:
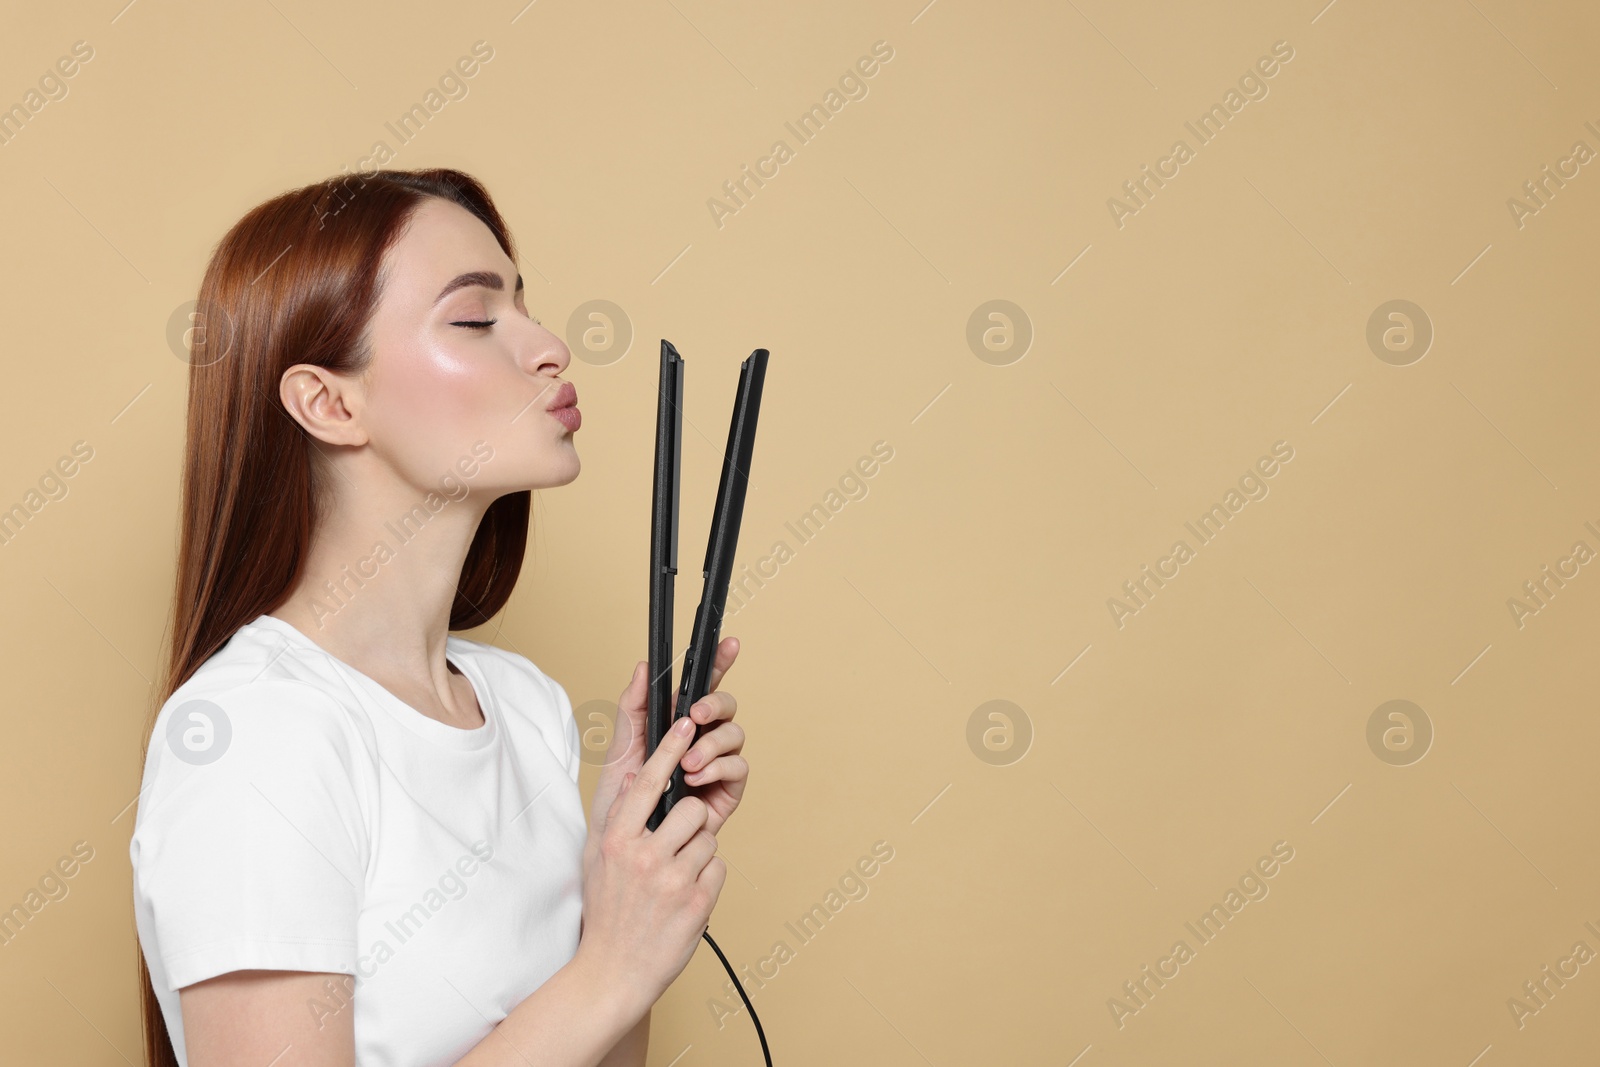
{"x":633,"y":694}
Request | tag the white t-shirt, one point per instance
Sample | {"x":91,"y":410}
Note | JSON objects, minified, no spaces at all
{"x":295,"y":815}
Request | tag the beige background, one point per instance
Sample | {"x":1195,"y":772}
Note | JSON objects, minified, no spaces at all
{"x":1229,"y":313}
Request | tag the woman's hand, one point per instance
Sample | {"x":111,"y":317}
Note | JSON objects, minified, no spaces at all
{"x":714,"y":769}
{"x":719,"y":770}
{"x":648,"y":894}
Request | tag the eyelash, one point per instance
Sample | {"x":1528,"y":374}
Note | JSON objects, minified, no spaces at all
{"x":484,"y":325}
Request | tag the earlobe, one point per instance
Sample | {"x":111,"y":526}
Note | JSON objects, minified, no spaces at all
{"x":324,"y":403}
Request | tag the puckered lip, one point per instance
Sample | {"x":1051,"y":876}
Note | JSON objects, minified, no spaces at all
{"x":566,"y":397}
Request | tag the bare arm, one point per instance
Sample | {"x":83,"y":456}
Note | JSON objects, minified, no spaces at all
{"x":630,"y":1051}
{"x":574,"y":1019}
{"x":248,"y":1018}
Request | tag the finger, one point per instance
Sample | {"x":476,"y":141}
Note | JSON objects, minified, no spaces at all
{"x":727,"y":737}
{"x":627,"y":730}
{"x":687,"y":818}
{"x":698,"y":850}
{"x":714,"y":875}
{"x":654,"y":777}
{"x":633,"y":693}
{"x":727,"y":652}
{"x":730,"y":769}
{"x":714,"y":706}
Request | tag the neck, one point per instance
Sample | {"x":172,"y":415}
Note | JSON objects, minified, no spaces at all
{"x":381,"y":574}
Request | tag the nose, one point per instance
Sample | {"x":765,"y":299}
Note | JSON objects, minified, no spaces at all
{"x":544,"y":353}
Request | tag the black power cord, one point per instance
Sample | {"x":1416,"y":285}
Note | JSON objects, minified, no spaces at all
{"x":753,"y":1018}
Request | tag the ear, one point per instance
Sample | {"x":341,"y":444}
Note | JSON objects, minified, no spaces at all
{"x":325,"y":403}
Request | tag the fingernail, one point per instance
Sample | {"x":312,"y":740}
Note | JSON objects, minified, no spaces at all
{"x":684,"y":726}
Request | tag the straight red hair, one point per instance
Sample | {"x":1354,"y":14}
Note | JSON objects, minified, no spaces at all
{"x":296,"y":280}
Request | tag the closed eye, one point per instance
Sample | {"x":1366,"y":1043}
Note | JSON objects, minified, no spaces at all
{"x":484,"y":324}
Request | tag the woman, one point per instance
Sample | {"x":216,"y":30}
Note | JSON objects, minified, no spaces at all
{"x":360,"y":838}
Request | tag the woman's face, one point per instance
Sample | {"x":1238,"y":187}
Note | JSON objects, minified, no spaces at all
{"x":453,"y":405}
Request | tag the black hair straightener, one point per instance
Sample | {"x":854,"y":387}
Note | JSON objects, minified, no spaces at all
{"x":720,"y":548}
{"x":724,"y":539}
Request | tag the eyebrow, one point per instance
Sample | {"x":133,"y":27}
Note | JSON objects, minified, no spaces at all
{"x":486,"y":278}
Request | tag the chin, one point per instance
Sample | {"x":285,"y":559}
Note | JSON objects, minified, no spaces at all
{"x":558,"y":471}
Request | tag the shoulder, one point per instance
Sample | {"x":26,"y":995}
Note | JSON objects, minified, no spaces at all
{"x":263,"y":718}
{"x":523,"y":689}
{"x":259,"y":720}
{"x":273,"y":694}
{"x":519,"y":676}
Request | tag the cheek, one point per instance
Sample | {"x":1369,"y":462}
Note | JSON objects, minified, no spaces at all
{"x":435,"y":400}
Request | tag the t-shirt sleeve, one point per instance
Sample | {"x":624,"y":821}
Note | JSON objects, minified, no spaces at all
{"x":251,"y":844}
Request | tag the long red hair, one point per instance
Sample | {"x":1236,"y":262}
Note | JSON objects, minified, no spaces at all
{"x":296,"y":280}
